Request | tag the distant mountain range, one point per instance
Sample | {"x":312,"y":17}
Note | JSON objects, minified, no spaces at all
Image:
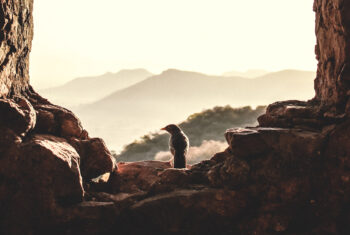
{"x":177,"y":91}
{"x":171,"y":96}
{"x":89,"y":89}
{"x":252,"y":73}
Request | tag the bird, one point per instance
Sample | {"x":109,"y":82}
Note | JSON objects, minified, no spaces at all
{"x":178,"y":145}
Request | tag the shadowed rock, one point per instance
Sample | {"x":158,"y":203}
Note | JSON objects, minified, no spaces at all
{"x":95,"y":157}
{"x":18,"y":116}
{"x":136,"y":176}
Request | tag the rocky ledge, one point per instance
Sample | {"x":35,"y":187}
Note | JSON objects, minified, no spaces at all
{"x":46,"y":158}
{"x":268,"y":181}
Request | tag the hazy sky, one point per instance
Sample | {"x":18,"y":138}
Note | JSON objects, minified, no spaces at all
{"x":88,"y":37}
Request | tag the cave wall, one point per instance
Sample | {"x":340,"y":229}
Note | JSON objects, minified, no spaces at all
{"x":46,"y":156}
{"x":332,"y":52}
{"x":16,"y":25}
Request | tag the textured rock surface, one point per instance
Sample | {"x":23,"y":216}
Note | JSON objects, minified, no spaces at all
{"x":95,"y":157}
{"x":20,"y":117}
{"x":43,"y":150}
{"x":37,"y":175}
{"x":40,"y":171}
{"x":136,"y":176}
{"x":332,"y":52}
{"x":16,"y":34}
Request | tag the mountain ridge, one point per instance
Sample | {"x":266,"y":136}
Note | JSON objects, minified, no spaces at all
{"x":182,"y":77}
{"x":83,"y":89}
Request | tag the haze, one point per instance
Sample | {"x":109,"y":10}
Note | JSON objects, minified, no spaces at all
{"x":84,"y":37}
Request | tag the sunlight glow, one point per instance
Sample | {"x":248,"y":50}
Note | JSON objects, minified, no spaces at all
{"x":86,"y":37}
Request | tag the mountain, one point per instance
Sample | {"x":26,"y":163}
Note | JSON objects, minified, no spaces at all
{"x":174,"y":89}
{"x":252,"y":73}
{"x":88,"y":89}
{"x":173,"y":95}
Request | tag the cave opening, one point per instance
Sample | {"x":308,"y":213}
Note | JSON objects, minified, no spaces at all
{"x":130,"y":106}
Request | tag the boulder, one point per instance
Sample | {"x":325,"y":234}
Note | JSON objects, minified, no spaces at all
{"x":41,"y":175}
{"x":53,"y":167}
{"x":95,"y":157}
{"x":17,"y":116}
{"x":254,"y":142}
{"x":58,"y":121}
{"x":136,"y":177}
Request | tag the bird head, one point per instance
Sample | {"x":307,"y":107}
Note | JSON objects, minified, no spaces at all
{"x":172,"y":128}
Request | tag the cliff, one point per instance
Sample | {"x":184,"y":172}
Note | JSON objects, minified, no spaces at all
{"x":289,"y":175}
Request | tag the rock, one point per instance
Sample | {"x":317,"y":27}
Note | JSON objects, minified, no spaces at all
{"x":136,"y":176}
{"x":95,"y":157}
{"x":332,"y":32}
{"x":89,"y":217}
{"x":18,"y":116}
{"x":16,"y":34}
{"x":41,"y":175}
{"x":170,"y":180}
{"x":70,"y":125}
{"x":338,"y":138}
{"x":239,"y":139}
{"x":282,"y":140}
{"x":174,"y":176}
{"x":220,"y":157}
{"x":53,"y":165}
{"x":9,"y":141}
{"x":46,"y":123}
{"x":59,"y":121}
{"x":292,"y":113}
{"x":206,"y":211}
{"x":232,"y":173}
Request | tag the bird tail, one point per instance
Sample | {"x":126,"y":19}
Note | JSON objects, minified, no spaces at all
{"x":179,"y":160}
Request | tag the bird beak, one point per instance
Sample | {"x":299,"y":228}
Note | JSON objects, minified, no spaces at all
{"x":163,"y":129}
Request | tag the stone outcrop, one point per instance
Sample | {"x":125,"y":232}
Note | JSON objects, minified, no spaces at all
{"x":16,"y":34}
{"x":289,"y":175}
{"x":332,"y":52}
{"x":46,"y":160}
{"x":46,"y":156}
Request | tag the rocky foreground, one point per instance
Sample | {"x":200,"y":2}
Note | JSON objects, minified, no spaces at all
{"x":292,"y":179}
{"x":289,"y":175}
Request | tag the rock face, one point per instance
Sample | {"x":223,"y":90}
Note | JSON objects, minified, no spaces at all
{"x":333,"y":72}
{"x":46,"y":156}
{"x":16,"y":34}
{"x":289,"y":175}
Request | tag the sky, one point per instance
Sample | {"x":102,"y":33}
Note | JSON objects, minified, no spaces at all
{"x":88,"y":37}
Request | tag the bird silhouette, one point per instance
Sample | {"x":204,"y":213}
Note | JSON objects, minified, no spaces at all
{"x":178,"y":145}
